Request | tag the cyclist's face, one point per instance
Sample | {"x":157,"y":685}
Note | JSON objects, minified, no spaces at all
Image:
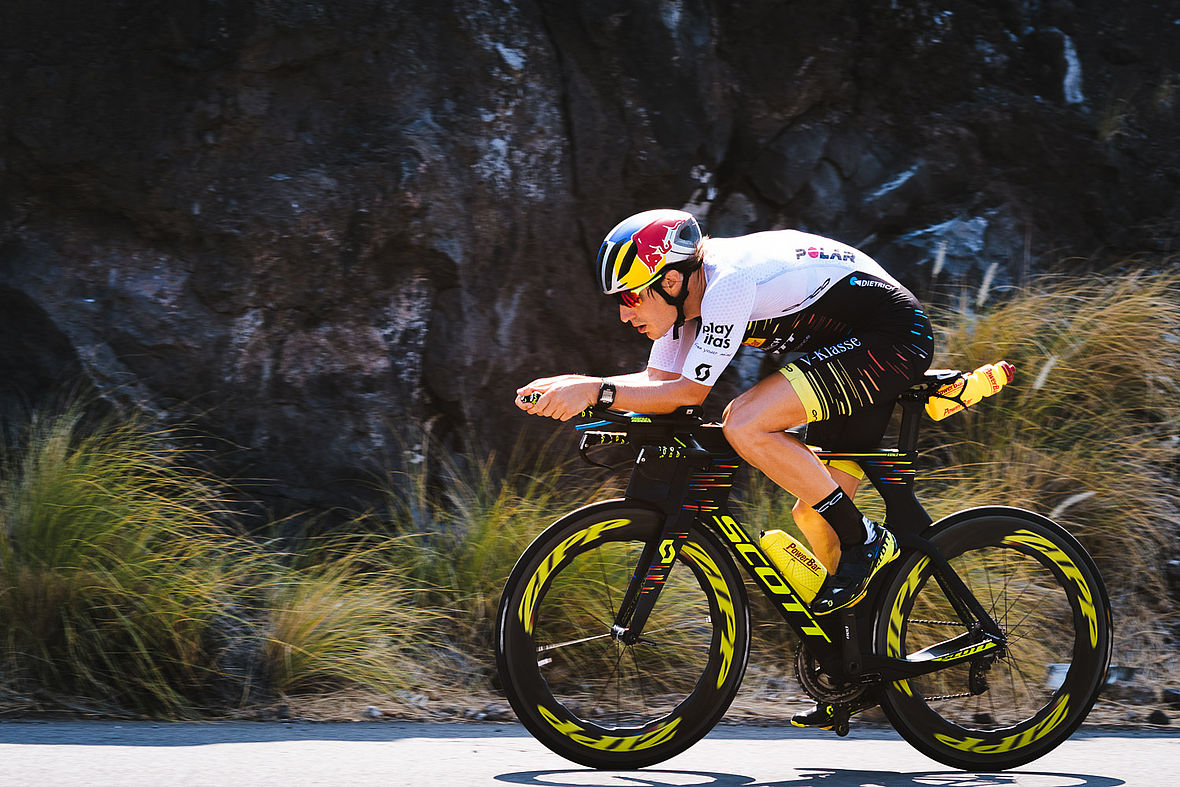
{"x":650,"y":314}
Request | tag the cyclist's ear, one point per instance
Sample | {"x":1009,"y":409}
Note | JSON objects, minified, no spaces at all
{"x":672,"y":281}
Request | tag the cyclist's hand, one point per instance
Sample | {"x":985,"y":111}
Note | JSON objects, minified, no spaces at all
{"x":560,"y":397}
{"x":528,"y":395}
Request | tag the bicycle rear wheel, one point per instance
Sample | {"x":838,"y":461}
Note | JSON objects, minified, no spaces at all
{"x":1040,"y":586}
{"x":588,"y":696}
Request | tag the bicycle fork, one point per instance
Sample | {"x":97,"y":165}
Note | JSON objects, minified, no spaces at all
{"x":651,"y":572}
{"x":652,"y":484}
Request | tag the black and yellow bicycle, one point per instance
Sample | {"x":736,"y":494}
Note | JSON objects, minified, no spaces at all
{"x":624,"y":629}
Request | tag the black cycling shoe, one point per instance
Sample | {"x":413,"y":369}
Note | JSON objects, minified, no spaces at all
{"x":830,"y":717}
{"x":858,"y":566}
{"x":820,"y":715}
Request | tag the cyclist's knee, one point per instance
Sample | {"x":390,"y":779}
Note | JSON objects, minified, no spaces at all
{"x":747,"y":421}
{"x":738,"y":423}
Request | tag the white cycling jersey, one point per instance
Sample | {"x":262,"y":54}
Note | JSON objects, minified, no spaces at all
{"x":765,"y":290}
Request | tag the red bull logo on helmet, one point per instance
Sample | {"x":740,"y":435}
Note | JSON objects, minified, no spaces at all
{"x":653,"y":242}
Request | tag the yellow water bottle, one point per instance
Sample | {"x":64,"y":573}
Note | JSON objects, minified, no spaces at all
{"x":968,"y":389}
{"x":795,"y":562}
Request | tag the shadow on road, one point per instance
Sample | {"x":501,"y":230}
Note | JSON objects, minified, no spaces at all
{"x":105,"y":732}
{"x":806,"y":777}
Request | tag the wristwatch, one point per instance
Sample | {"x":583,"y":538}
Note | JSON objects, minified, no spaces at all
{"x":606,"y":394}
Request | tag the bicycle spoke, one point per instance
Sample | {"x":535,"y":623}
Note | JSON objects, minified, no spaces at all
{"x":608,"y":682}
{"x":544,"y":648}
{"x":1023,"y":597}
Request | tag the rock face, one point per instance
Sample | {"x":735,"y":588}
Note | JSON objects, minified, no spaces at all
{"x":311,"y":226}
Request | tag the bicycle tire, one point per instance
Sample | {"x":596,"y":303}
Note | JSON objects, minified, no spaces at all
{"x":584,"y":694}
{"x":1045,"y":592}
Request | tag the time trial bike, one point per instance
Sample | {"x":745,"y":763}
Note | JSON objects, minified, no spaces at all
{"x":623,"y":631}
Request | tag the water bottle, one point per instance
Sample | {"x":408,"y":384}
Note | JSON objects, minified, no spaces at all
{"x":795,"y":562}
{"x":969,"y":389}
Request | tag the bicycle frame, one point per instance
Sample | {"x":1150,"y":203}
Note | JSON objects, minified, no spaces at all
{"x":690,"y":482}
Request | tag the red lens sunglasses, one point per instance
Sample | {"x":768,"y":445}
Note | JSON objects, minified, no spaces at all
{"x":628,"y":298}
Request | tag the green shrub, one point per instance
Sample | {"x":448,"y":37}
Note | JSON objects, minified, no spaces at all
{"x":342,"y":619}
{"x":112,"y":565}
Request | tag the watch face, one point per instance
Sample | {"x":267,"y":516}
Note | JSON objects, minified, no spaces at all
{"x":607,"y":395}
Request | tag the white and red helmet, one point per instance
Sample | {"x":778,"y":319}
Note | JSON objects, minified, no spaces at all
{"x":640,"y":249}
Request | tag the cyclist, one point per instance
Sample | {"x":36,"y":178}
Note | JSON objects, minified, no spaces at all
{"x":857,"y":336}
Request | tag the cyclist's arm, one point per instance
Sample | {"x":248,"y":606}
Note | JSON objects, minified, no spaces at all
{"x":656,"y":391}
{"x":645,"y":376}
{"x":725,"y":310}
{"x":650,"y":391}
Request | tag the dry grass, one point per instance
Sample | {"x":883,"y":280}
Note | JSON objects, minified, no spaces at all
{"x":122,"y":590}
{"x":112,"y":568}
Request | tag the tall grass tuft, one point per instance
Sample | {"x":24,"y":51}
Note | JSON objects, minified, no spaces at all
{"x":112,"y":565}
{"x":1088,"y":430}
{"x":339,"y":614}
{"x":1088,"y":434}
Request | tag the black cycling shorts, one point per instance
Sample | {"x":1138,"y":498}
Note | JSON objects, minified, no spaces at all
{"x":849,"y":387}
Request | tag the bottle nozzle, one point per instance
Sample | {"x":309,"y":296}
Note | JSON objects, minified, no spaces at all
{"x":1009,"y":371}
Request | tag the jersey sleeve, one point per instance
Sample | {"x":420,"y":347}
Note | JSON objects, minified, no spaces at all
{"x":725,"y":313}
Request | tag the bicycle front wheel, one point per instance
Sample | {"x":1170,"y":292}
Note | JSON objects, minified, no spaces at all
{"x":1043,"y":590}
{"x":591,"y":698}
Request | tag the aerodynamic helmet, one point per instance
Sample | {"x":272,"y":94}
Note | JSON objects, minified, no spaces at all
{"x":641,"y":248}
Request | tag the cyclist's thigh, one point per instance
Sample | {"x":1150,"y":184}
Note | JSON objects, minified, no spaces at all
{"x":771,"y":405}
{"x":863,"y":371}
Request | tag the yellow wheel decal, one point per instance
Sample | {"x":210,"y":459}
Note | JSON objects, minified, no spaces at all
{"x":644,"y":740}
{"x":897,"y":618}
{"x":724,"y":600}
{"x":1053,"y":552}
{"x":553,"y":560}
{"x":1018,"y":740}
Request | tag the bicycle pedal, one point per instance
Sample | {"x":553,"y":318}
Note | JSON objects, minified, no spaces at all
{"x":833,"y":717}
{"x":841,"y":715}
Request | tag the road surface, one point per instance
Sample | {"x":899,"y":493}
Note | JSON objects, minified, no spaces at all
{"x":243,"y":754}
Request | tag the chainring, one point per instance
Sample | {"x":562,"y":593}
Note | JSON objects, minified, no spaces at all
{"x":821,"y":686}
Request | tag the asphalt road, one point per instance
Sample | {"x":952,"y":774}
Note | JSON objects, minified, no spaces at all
{"x":242,"y":754}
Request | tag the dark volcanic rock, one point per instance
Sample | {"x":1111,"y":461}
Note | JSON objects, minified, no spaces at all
{"x":314,"y":225}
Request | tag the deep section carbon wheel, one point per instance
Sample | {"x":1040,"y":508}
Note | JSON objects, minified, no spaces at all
{"x":585,"y":694}
{"x":1015,"y":704}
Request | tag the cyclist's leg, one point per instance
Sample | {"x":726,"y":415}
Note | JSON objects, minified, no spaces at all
{"x":754,"y":424}
{"x":860,"y":561}
{"x":819,"y":534}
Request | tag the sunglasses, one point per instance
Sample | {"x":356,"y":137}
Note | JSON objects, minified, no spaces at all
{"x":628,"y":298}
